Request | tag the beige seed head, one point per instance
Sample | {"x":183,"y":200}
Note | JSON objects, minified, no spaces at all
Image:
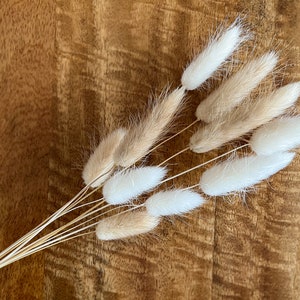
{"x":236,"y":88}
{"x":244,"y":118}
{"x":101,"y":161}
{"x":141,"y":137}
{"x":125,"y":225}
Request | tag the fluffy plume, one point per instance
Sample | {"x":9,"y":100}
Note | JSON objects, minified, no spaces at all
{"x":173,"y":202}
{"x":277,"y":136}
{"x":241,"y":173}
{"x":145,"y":134}
{"x":125,"y":225}
{"x":127,"y":185}
{"x":101,"y":161}
{"x":244,"y":118}
{"x":236,"y":88}
{"x":214,"y":55}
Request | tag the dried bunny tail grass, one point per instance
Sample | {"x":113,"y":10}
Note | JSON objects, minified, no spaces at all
{"x":173,"y":202}
{"x":101,"y":161}
{"x":236,"y":88}
{"x":277,"y":136}
{"x":126,"y":225}
{"x":241,"y":173}
{"x":140,"y":138}
{"x":244,"y":118}
{"x":129,"y":184}
{"x":214,"y":55}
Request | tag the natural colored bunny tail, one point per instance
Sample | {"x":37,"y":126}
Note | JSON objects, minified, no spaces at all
{"x":244,"y":118}
{"x":101,"y":161}
{"x":127,"y":185}
{"x":214,"y":55}
{"x":241,"y":173}
{"x":126,"y":225}
{"x":173,"y":202}
{"x":236,"y":88}
{"x":141,"y":137}
{"x":277,"y":136}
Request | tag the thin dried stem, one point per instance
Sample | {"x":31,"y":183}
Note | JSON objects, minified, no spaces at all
{"x":86,"y":204}
{"x":176,"y":134}
{"x":201,"y":165}
{"x":16,"y":258}
{"x":42,"y":226}
{"x":176,"y":154}
{"x":53,"y":235}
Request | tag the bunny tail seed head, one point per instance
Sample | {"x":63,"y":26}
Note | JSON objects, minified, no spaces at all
{"x":214,"y":55}
{"x":241,"y":173}
{"x":125,"y":225}
{"x":236,"y":88}
{"x":173,"y":202}
{"x":277,"y":136}
{"x":147,"y":132}
{"x":127,"y":185}
{"x":246,"y":117}
{"x":101,"y":161}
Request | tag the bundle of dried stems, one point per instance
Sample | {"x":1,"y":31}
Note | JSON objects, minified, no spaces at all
{"x":229,"y":112}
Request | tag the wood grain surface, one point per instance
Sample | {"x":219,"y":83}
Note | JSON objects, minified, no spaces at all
{"x":73,"y":70}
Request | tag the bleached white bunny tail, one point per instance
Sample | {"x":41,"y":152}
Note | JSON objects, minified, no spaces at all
{"x":126,"y":225}
{"x":101,"y":161}
{"x":127,"y":185}
{"x":277,"y":136}
{"x":236,"y":88}
{"x":214,"y":55}
{"x":241,"y":173}
{"x":244,"y":118}
{"x":173,"y":202}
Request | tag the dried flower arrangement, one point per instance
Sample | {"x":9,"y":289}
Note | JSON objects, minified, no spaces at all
{"x":226,"y":114}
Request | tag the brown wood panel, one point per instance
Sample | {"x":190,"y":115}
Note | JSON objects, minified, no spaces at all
{"x":27,"y":89}
{"x":57,"y":102}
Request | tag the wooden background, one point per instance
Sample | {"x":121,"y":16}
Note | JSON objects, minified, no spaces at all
{"x":70,"y":71}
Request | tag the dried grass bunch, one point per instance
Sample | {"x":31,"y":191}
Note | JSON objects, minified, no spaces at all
{"x":226,"y":114}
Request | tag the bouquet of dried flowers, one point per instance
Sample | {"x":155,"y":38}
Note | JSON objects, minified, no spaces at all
{"x":117,"y":167}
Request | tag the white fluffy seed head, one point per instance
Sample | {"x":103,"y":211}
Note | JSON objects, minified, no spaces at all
{"x":241,"y":173}
{"x":236,"y":88}
{"x":101,"y":160}
{"x":277,"y":136}
{"x":124,"y":186}
{"x":214,"y":55}
{"x":125,"y":225}
{"x":173,"y":202}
